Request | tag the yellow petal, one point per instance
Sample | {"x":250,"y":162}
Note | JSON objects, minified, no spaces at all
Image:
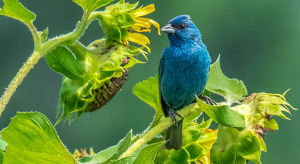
{"x":204,"y":159}
{"x":138,"y":38}
{"x":156,"y":25}
{"x":144,"y":11}
{"x":125,"y":42}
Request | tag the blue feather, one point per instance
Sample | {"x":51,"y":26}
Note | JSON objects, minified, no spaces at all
{"x":184,"y":66}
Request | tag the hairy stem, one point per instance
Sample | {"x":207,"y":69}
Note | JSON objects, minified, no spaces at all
{"x":164,"y":124}
{"x":40,"y":50}
{"x":35,"y":35}
{"x":34,"y":58}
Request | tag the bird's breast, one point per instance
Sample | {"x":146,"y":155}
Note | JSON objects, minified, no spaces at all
{"x":185,"y":75}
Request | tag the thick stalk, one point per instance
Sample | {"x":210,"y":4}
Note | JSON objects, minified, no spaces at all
{"x":164,"y":124}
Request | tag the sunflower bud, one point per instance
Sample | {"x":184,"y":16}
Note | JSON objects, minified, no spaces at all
{"x":121,"y":22}
{"x":233,"y":146}
{"x":104,"y":75}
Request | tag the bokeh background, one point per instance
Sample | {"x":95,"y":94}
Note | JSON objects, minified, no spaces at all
{"x":258,"y":42}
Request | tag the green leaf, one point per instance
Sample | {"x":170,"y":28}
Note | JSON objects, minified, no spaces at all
{"x":148,"y":92}
{"x":262,"y":144}
{"x":148,"y":153}
{"x":223,"y":115}
{"x":3,"y":144}
{"x":249,"y":147}
{"x":272,"y":124}
{"x":16,"y":10}
{"x":232,"y":90}
{"x":31,"y":138}
{"x":113,"y":152}
{"x":181,"y":156}
{"x":195,"y":150}
{"x":62,"y":60}
{"x":126,"y":160}
{"x":92,"y":5}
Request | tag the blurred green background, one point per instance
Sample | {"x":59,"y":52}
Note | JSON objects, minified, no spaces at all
{"x":258,"y":42}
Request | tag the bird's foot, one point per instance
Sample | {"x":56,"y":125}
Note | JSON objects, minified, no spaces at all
{"x":172,"y":114}
{"x":208,"y":100}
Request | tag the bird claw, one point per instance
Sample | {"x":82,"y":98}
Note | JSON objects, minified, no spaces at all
{"x":172,"y":114}
{"x":208,"y":100}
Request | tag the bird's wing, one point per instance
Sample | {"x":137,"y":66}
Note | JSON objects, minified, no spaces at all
{"x":164,"y":106}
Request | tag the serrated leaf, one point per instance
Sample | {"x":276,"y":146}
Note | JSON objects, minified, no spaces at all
{"x":148,"y":92}
{"x":148,"y":153}
{"x":232,"y":90}
{"x":31,"y":138}
{"x":92,"y":5}
{"x":113,"y":152}
{"x":3,"y":144}
{"x":62,"y":60}
{"x":16,"y":10}
{"x":249,"y":147}
{"x":223,"y":115}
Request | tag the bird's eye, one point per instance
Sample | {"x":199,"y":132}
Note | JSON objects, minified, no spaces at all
{"x":182,"y":26}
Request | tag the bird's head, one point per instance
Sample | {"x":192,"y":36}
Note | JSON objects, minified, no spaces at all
{"x":181,"y":28}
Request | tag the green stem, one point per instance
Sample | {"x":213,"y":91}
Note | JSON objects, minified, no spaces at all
{"x":34,"y":58}
{"x":40,"y":50}
{"x":156,"y":120}
{"x":164,"y":124}
{"x":36,"y":37}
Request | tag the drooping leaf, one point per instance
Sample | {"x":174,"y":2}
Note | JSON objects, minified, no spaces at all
{"x":148,"y":153}
{"x":32,"y":138}
{"x":3,"y":144}
{"x":112,"y":153}
{"x":223,"y":115}
{"x":63,"y":61}
{"x":148,"y":92}
{"x":16,"y":10}
{"x":91,"y":5}
{"x":232,"y":90}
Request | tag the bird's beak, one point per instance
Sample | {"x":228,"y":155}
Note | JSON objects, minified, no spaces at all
{"x":168,"y":29}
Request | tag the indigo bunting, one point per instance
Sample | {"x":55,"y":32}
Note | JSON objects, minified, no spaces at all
{"x":183,"y":73}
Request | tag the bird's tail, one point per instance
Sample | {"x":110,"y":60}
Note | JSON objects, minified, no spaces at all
{"x":174,"y":136}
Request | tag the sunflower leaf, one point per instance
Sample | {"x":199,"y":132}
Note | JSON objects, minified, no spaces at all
{"x":31,"y":137}
{"x":232,"y":90}
{"x":223,"y":115}
{"x":14,"y":9}
{"x":148,"y":92}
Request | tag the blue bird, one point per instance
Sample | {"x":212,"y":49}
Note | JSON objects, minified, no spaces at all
{"x":183,"y":73}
